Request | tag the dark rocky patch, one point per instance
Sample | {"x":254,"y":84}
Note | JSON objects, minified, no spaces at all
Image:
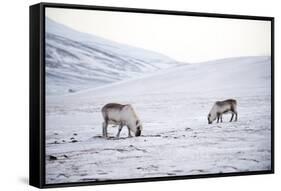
{"x":61,"y":174}
{"x":51,"y":157}
{"x":171,"y":174}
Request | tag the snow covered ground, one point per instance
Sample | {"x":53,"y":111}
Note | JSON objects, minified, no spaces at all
{"x":173,"y":105}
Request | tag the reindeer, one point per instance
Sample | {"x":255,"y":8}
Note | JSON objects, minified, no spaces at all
{"x":122,"y":115}
{"x":222,"y":107}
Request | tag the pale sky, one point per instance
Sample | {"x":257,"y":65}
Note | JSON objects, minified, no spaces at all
{"x":184,"y":38}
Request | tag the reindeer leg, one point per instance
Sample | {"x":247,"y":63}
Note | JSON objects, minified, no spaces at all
{"x":221,"y":118}
{"x":119,"y":130}
{"x":236,"y":115}
{"x":129,"y":132}
{"x":232,"y":113}
{"x":104,"y":129}
{"x":103,"y":132}
{"x":218,"y":118}
{"x":231,"y":117}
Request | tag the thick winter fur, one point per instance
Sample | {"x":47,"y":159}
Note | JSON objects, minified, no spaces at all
{"x":222,"y":107}
{"x":122,"y":115}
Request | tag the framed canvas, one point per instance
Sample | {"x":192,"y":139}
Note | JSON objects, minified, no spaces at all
{"x":121,"y":95}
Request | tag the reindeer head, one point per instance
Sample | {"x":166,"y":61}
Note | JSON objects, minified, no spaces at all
{"x":211,"y":118}
{"x":138,"y":128}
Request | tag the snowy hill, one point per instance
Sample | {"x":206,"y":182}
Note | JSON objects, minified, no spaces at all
{"x":173,"y":105}
{"x":226,"y":77}
{"x":76,"y":60}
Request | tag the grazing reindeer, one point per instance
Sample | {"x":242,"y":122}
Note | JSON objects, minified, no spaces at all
{"x":122,"y":115}
{"x":222,"y":107}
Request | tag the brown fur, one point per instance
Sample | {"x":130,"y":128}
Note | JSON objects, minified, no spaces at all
{"x":134,"y":126}
{"x":223,"y":107}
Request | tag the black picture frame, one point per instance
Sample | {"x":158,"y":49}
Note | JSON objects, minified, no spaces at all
{"x":37,"y":93}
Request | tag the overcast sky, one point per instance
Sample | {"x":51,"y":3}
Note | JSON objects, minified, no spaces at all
{"x":184,"y":38}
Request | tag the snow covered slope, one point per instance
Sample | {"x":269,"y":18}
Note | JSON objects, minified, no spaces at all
{"x":173,"y":105}
{"x":76,"y":60}
{"x":226,"y":77}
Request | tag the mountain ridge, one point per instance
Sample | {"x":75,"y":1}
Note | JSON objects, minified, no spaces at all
{"x":76,"y":60}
